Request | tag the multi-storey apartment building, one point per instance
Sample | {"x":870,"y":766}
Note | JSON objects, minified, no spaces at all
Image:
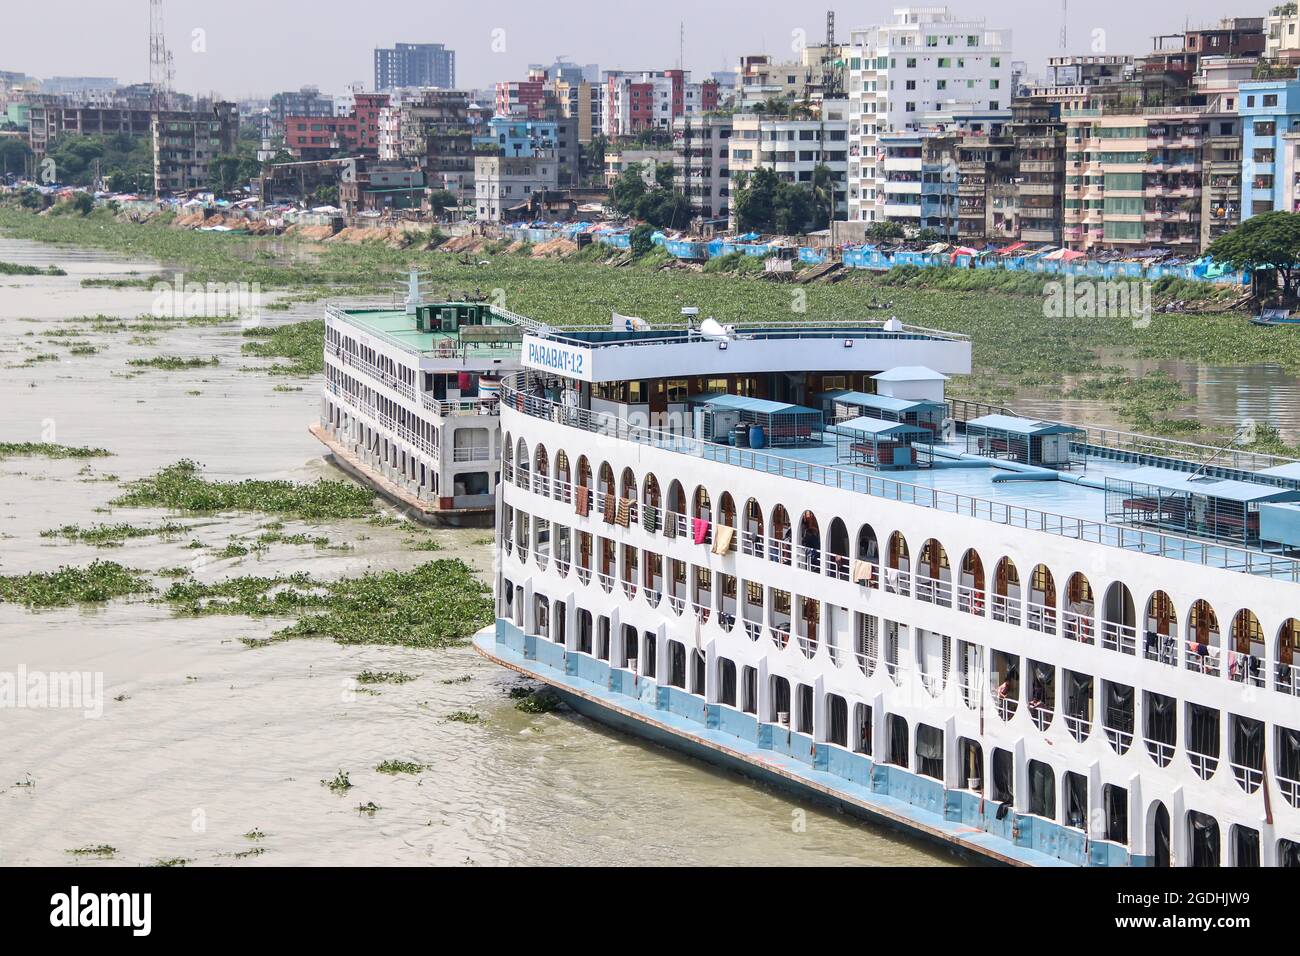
{"x":415,"y":65}
{"x":987,"y":192}
{"x":793,"y":147}
{"x":579,"y":100}
{"x":357,"y":132}
{"x":503,"y":183}
{"x":48,"y":118}
{"x":912,"y":73}
{"x":651,"y":99}
{"x":433,"y":130}
{"x":1134,"y":179}
{"x":1282,"y":34}
{"x":1038,"y":138}
{"x":702,"y":163}
{"x":812,"y":77}
{"x":186,"y":142}
{"x":1269,"y":111}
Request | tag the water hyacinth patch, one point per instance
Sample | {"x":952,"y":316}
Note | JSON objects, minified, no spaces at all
{"x":182,"y":488}
{"x":48,"y":450}
{"x":96,"y":583}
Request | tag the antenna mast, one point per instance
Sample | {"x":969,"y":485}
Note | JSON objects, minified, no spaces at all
{"x":161,"y":72}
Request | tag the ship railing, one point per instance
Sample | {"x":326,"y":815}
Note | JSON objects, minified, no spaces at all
{"x":933,"y":590}
{"x":726,"y":620}
{"x":933,"y":683}
{"x":1162,"y":753}
{"x":1119,"y":637}
{"x":541,"y":484}
{"x":629,"y":588}
{"x":1248,"y":778}
{"x":679,"y":522}
{"x":809,"y":559}
{"x":751,"y":544}
{"x":778,"y":552}
{"x":1290,"y":789}
{"x":866,"y":662}
{"x":753,"y":630}
{"x":471,"y":453}
{"x":1155,"y":543}
{"x":677,"y":603}
{"x":1161,"y":648}
{"x":807,"y":645}
{"x":1120,"y":740}
{"x":1206,"y":663}
{"x":562,"y":564}
{"x":584,"y":574}
{"x":1005,"y":609}
{"x":779,"y":633}
{"x":970,"y":599}
{"x":897,"y":581}
{"x":606,"y":580}
{"x":839,"y":655}
{"x":523,"y":477}
{"x":508,"y":471}
{"x":896,"y":671}
{"x":1078,"y":726}
{"x":1203,"y":764}
{"x":969,"y":684}
{"x":1005,"y":706}
{"x":1287,"y":679}
{"x":701,"y":611}
{"x":1078,"y":627}
{"x":1246,"y":669}
{"x":374,"y":372}
{"x":838,"y":566}
{"x":1041,"y":716}
{"x":653,"y":596}
{"x":1040,"y":617}
{"x":445,"y":408}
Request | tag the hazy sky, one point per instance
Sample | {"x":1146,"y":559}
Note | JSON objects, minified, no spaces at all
{"x":260,"y":46}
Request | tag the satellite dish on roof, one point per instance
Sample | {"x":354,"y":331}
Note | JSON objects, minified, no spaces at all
{"x":893,"y":325}
{"x":711,"y":328}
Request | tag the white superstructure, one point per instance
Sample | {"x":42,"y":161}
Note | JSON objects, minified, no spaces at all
{"x":1041,"y":643}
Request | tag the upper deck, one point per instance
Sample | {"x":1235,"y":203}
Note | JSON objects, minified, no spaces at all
{"x":467,"y":334}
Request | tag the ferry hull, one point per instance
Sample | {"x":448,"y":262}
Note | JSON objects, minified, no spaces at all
{"x":772,"y":755}
{"x":413,"y":507}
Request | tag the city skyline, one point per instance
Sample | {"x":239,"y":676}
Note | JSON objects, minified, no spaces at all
{"x":213,"y":53}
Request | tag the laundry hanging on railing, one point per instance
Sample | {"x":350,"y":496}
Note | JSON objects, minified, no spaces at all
{"x":862,"y":571}
{"x":580,"y":501}
{"x":623,"y":513}
{"x":650,"y":518}
{"x":722,"y":539}
{"x":700,"y":530}
{"x":610,"y":509}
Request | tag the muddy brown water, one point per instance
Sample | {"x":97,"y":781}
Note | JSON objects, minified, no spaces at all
{"x":212,"y":739}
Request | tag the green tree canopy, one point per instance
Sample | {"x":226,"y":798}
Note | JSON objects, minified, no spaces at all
{"x":1269,"y":242}
{"x":765,"y":203}
{"x":657,"y":204}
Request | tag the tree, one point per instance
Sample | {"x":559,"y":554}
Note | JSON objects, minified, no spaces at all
{"x":14,"y":154}
{"x":83,"y":204}
{"x":440,"y":200}
{"x":592,"y":158}
{"x":641,"y":240}
{"x":1267,"y":243}
{"x":764,"y":203}
{"x":885,"y":230}
{"x":656,"y":203}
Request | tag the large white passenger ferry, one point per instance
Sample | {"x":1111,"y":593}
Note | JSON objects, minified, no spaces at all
{"x":785,"y":551}
{"x":410,"y":402}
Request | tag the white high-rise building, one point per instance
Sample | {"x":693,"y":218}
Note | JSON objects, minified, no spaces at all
{"x":926,"y":68}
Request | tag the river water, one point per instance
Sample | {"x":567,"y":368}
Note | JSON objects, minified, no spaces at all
{"x":203,"y":739}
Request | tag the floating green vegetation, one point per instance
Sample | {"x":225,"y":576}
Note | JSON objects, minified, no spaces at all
{"x":174,"y":363}
{"x":302,"y":343}
{"x":30,"y":449}
{"x":287,"y":388}
{"x":254,"y":834}
{"x":112,"y":535}
{"x":84,"y":350}
{"x":464,"y":717}
{"x":252,"y":851}
{"x":400,"y":766}
{"x":236,"y":548}
{"x":18,"y":269}
{"x":369,"y":807}
{"x":174,"y":861}
{"x":532,"y":701}
{"x":317,"y":540}
{"x":41,"y":357}
{"x":462,"y":679}
{"x":180,"y":571}
{"x":96,"y":583}
{"x":182,"y":488}
{"x":340,"y":783}
{"x":99,"y":282}
{"x":101,"y":850}
{"x":385,"y":677}
{"x":425,"y":544}
{"x":438,"y":604}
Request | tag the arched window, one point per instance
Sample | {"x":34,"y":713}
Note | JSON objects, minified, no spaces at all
{"x":838,"y":562}
{"x":1246,"y":650}
{"x":970,"y":588}
{"x":1160,"y":640}
{"x":751,"y":531}
{"x":1007,"y":600}
{"x":779,"y":534}
{"x":1119,"y":621}
{"x":563,"y":477}
{"x":809,"y":550}
{"x":542,"y":471}
{"x":898,"y":569}
{"x":1287,"y":678}
{"x":523,"y":475}
{"x":1040,"y":609}
{"x":1078,"y":615}
{"x":675,"y":517}
{"x":933,"y":576}
{"x":1203,"y":645}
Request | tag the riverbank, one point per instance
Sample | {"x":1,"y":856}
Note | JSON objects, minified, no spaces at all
{"x":1021,"y":349}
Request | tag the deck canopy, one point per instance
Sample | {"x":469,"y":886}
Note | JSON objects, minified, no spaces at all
{"x":782,"y":424}
{"x":843,"y":405}
{"x":1024,"y":440}
{"x":1202,"y":505}
{"x":880,"y":444}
